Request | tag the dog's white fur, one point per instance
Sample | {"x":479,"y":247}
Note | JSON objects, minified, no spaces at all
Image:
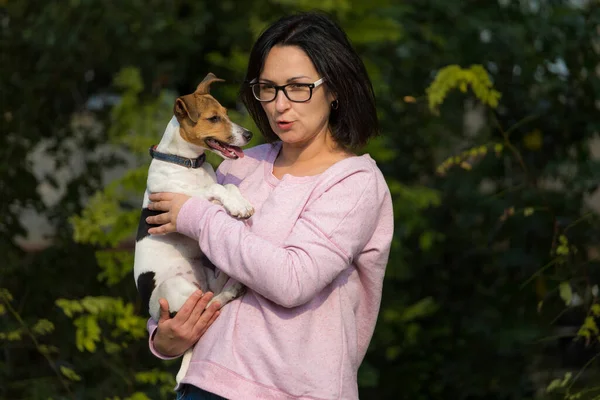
{"x":175,"y":259}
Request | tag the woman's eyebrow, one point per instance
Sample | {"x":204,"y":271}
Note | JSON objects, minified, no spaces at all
{"x":289,"y":79}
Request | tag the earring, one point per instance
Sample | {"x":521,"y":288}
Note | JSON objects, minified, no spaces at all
{"x":335,"y":104}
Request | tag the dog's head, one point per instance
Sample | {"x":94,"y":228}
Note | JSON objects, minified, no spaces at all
{"x":204,"y":122}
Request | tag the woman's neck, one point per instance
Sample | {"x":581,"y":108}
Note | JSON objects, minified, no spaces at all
{"x":308,"y":159}
{"x":307,"y":152}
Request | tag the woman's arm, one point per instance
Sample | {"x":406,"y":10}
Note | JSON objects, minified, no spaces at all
{"x":329,"y":233}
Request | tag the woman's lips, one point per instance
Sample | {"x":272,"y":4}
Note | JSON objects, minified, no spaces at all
{"x":284,"y":125}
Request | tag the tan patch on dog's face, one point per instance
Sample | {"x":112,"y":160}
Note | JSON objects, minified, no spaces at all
{"x":211,"y":119}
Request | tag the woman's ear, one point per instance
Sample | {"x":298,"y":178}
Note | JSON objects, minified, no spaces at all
{"x":331,"y":96}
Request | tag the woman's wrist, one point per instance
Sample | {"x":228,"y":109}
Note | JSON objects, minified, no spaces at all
{"x":161,"y":345}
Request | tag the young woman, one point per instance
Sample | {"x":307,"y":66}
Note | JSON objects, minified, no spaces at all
{"x":313,"y":255}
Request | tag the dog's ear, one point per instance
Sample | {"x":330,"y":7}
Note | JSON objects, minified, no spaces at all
{"x":185,"y":107}
{"x":204,"y":86}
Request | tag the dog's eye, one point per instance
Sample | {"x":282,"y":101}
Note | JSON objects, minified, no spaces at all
{"x":214,"y":119}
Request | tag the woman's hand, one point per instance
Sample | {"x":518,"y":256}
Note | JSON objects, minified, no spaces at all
{"x":175,"y":335}
{"x":171,"y":203}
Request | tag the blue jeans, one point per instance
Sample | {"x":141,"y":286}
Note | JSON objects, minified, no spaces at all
{"x":189,"y":392}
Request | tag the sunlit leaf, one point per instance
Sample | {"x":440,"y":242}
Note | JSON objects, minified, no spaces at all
{"x":69,"y":373}
{"x":566,"y":293}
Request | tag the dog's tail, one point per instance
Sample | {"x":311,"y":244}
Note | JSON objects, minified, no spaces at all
{"x":185,"y":364}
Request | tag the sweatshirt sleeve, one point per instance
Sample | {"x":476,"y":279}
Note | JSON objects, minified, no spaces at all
{"x":152,"y":326}
{"x":330,"y":232}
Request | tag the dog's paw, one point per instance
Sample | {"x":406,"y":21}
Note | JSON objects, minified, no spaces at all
{"x":228,"y":294}
{"x":239,"y":208}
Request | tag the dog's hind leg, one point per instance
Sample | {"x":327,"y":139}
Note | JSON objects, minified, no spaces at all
{"x":230,"y":292}
{"x":175,"y":290}
{"x":215,"y":279}
{"x":224,"y":288}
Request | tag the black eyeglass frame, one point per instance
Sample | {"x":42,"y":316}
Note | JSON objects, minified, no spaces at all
{"x":311,"y":86}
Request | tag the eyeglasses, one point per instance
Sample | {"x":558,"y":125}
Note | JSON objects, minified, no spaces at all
{"x":296,"y":92}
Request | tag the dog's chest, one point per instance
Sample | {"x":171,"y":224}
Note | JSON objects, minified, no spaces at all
{"x":164,"y":177}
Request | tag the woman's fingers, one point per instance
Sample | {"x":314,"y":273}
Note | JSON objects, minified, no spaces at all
{"x":159,"y":219}
{"x":198,"y":309}
{"x":163,"y":205}
{"x":164,"y":309}
{"x":186,"y":309}
{"x":177,"y":334}
{"x":163,"y":229}
{"x":207,"y":318}
{"x":160,"y":196}
{"x":165,"y":225}
{"x":171,"y":203}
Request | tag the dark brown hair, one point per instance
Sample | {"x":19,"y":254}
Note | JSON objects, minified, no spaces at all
{"x":355,"y":119}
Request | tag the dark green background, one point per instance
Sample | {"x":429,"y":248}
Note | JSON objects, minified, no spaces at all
{"x":460,"y":315}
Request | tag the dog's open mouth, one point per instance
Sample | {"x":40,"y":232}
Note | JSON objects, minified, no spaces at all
{"x":226,"y":150}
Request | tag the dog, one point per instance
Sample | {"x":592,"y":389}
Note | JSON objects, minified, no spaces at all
{"x":172,"y":266}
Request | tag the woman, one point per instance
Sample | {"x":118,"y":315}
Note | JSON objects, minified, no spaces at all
{"x":313,"y":255}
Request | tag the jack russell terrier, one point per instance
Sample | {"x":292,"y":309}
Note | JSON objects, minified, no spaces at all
{"x":172,"y":266}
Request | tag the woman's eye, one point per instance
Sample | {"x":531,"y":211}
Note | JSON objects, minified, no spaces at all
{"x":298,"y":86}
{"x":216,"y":118}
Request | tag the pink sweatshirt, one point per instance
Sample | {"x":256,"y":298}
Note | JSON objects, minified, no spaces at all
{"x":313,"y":257}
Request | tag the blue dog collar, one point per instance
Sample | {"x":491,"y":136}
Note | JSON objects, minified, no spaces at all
{"x":184,"y":162}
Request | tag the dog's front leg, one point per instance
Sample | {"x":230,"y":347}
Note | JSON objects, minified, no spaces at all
{"x":231,"y":198}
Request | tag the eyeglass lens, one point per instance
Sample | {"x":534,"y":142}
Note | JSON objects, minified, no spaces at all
{"x":294,"y":92}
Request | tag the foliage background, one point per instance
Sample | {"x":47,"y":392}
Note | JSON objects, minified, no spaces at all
{"x":491,"y":289}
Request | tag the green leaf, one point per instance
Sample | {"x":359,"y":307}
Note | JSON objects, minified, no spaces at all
{"x":453,"y":76}
{"x":69,"y":373}
{"x":422,"y":308}
{"x":590,"y":325}
{"x":116,"y":265}
{"x":14,"y":335}
{"x":129,"y":78}
{"x":559,"y":383}
{"x":154,"y":377}
{"x":138,"y":396}
{"x":5,"y":294}
{"x":111,"y":347}
{"x":555,"y":384}
{"x":87,"y":333}
{"x":45,"y":349}
{"x":566,"y":293}
{"x":528,"y":211}
{"x":43,"y":327}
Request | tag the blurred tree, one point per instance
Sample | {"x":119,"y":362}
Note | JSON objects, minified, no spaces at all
{"x":460,"y":310}
{"x":543,"y":57}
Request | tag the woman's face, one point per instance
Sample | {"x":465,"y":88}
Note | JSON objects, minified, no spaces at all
{"x":295,"y":123}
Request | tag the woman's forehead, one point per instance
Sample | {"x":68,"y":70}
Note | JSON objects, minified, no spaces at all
{"x":284,"y":63}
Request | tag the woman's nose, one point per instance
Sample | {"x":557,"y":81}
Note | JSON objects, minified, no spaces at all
{"x":281,"y":101}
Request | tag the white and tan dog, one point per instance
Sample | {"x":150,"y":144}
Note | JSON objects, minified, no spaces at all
{"x":172,"y":266}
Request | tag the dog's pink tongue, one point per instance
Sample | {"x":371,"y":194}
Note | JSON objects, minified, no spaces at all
{"x":238,"y":151}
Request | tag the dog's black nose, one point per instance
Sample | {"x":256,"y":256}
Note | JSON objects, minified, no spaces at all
{"x":247,"y":135}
